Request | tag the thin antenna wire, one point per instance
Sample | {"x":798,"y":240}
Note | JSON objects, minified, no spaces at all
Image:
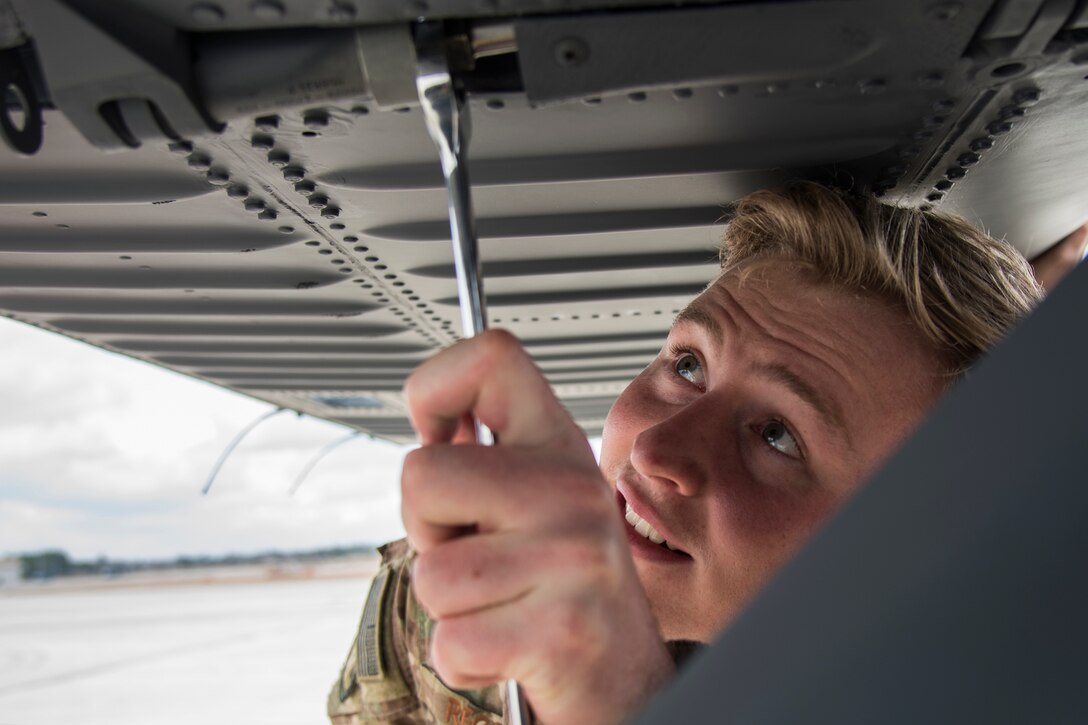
{"x":325,"y":450}
{"x":234,"y":444}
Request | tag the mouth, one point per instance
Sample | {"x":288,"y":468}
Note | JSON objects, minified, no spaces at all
{"x":646,"y":541}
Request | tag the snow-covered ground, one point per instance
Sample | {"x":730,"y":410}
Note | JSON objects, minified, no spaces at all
{"x":216,"y":654}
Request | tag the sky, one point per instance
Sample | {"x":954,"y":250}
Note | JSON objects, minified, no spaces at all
{"x":103,"y":455}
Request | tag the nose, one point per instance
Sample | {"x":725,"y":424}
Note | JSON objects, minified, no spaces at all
{"x":681,"y":449}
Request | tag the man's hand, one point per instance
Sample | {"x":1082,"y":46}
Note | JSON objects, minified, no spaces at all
{"x":523,"y":561}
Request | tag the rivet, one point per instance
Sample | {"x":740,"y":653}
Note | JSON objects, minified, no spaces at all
{"x":943,"y":11}
{"x":308,"y":133}
{"x":1010,"y":112}
{"x":183,"y":148}
{"x":237,"y":191}
{"x":262,"y":142}
{"x":267,"y":123}
{"x":294,"y":173}
{"x":873,"y":86}
{"x":636,"y":97}
{"x":361,"y":248}
{"x":347,"y":270}
{"x":934,"y":121}
{"x":340,"y":11}
{"x":317,"y":201}
{"x":570,"y":52}
{"x":200,"y":162}
{"x":360,"y":110}
{"x":267,"y":215}
{"x":726,"y":91}
{"x":943,"y":185}
{"x":495,"y":104}
{"x":205,"y":13}
{"x":351,"y":238}
{"x":286,"y":230}
{"x":1008,"y":70}
{"x":968,"y":159}
{"x":935,"y":196}
{"x":330,"y":212}
{"x":39,"y":213}
{"x":313,"y":243}
{"x":1026,"y":97}
{"x":218,"y":177}
{"x":315,"y":119}
{"x":253,"y":205}
{"x":824,"y":83}
{"x":279,"y":159}
{"x":982,"y":143}
{"x":999,"y":127}
{"x":592,"y":101}
{"x":933,"y":79}
{"x":682,"y":94}
{"x":267,"y":9}
{"x":955,"y":172}
{"x":403,"y":109}
{"x":305,"y":187}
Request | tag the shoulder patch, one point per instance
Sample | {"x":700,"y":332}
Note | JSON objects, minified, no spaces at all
{"x":368,"y":656}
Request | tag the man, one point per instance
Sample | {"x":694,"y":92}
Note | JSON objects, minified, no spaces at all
{"x":835,"y":324}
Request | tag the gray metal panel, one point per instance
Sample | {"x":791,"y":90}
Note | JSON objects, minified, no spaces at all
{"x":951,"y":589}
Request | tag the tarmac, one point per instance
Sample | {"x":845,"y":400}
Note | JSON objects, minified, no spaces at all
{"x":207,"y":648}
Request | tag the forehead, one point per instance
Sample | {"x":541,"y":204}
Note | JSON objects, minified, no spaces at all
{"x":853,"y":347}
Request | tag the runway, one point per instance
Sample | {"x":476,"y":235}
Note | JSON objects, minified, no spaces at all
{"x":261,"y":652}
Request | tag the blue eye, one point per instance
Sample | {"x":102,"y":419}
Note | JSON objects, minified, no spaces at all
{"x":777,"y":436}
{"x":688,"y":367}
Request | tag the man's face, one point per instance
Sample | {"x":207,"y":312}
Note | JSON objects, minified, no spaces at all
{"x":772,"y":400}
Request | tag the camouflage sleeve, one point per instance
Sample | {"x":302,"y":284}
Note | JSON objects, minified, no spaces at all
{"x":387,"y":678}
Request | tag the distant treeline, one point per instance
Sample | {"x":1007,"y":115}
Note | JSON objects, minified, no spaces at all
{"x":55,"y":563}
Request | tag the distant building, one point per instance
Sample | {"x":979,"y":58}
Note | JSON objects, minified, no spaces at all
{"x":11,"y":571}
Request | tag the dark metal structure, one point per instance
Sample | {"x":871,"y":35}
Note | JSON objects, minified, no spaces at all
{"x":244,"y":191}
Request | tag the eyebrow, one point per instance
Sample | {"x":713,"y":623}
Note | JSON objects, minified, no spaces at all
{"x":774,"y":372}
{"x":810,"y":395}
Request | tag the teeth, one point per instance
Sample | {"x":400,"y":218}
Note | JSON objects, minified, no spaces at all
{"x":643,"y":527}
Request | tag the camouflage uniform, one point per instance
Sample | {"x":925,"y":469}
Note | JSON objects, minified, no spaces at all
{"x":387,"y":678}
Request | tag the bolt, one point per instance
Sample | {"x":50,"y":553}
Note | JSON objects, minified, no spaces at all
{"x":330,"y":212}
{"x":184,"y":148}
{"x":253,"y":204}
{"x":260,"y":141}
{"x":218,"y":177}
{"x":933,"y":79}
{"x":982,"y":143}
{"x":317,"y":201}
{"x":315,"y":119}
{"x":267,"y":9}
{"x":571,"y":52}
{"x":340,"y":11}
{"x":267,"y":123}
{"x":267,"y":215}
{"x":205,"y":13}
{"x":294,"y":173}
{"x":305,"y":187}
{"x":955,"y":172}
{"x":873,"y":86}
{"x":999,"y":127}
{"x":279,"y":159}
{"x":200,"y":162}
{"x":237,"y":191}
{"x":968,"y":159}
{"x":943,"y":11}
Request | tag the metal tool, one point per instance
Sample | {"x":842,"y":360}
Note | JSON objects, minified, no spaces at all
{"x":447,"y":122}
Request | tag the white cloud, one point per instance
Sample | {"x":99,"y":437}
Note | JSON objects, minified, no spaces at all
{"x":101,"y":454}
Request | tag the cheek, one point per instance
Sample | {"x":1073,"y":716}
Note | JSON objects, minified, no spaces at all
{"x":625,"y":420}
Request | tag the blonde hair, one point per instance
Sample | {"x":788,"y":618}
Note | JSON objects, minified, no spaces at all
{"x":963,"y":289}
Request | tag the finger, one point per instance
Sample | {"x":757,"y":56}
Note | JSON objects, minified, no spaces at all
{"x":492,"y":377}
{"x":489,"y":570}
{"x":448,"y":489}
